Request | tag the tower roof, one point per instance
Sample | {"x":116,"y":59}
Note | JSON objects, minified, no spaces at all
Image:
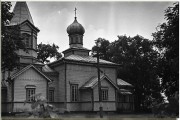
{"x":75,"y":28}
{"x":21,"y":14}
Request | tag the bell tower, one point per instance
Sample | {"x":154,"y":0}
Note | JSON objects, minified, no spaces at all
{"x":28,"y":31}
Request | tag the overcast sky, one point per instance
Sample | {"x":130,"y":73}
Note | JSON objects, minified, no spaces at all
{"x":100,"y":19}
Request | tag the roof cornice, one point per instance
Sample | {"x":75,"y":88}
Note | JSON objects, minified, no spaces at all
{"x":62,"y":61}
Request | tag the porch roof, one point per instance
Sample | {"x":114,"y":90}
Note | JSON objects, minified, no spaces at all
{"x":125,"y":92}
{"x":92,"y":82}
{"x":121,"y":82}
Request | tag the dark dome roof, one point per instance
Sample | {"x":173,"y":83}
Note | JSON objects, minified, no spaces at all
{"x":75,"y":28}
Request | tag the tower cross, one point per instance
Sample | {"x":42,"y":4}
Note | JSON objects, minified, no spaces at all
{"x":75,"y":11}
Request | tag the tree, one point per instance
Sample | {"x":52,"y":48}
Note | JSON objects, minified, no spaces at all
{"x":10,"y":39}
{"x":166,"y":40}
{"x":6,"y":15}
{"x":139,"y":66}
{"x":46,"y":51}
{"x":103,"y":48}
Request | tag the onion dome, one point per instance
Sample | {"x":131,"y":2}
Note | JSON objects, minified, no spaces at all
{"x":75,"y":28}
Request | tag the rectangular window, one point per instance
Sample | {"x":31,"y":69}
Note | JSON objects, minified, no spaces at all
{"x":51,"y":95}
{"x":29,"y":93}
{"x":104,"y":94}
{"x":74,"y":92}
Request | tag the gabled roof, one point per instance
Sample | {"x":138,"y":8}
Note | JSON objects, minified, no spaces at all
{"x":88,"y":59}
{"x":27,"y":68}
{"x":31,"y":25}
{"x":121,"y":82}
{"x":46,"y":68}
{"x":94,"y":81}
{"x":82,"y":59}
{"x":21,"y":13}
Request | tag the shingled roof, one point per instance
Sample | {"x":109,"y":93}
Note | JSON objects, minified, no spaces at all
{"x":88,"y":59}
{"x":121,"y":82}
{"x":83,"y":59}
{"x":21,"y":14}
{"x":94,"y":81}
{"x":25,"y":69}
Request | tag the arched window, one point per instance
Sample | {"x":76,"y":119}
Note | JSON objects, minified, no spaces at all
{"x":27,"y":40}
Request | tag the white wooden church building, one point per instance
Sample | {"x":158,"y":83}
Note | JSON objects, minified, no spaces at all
{"x":70,"y":82}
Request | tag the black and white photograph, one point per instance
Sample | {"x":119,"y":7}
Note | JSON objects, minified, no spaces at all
{"x":90,"y":60}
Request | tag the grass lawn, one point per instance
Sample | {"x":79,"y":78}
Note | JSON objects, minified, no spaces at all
{"x":92,"y":116}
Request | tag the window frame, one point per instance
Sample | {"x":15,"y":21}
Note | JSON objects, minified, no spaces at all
{"x":104,"y":94}
{"x":27,"y":39}
{"x":27,"y":96}
{"x":74,"y":98}
{"x":52,"y":96}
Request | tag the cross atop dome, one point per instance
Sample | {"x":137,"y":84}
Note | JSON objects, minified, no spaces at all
{"x":75,"y":12}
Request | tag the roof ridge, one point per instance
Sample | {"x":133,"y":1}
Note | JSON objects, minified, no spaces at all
{"x":26,"y":68}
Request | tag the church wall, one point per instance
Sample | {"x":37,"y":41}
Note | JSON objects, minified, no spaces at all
{"x":29,"y":77}
{"x":24,"y":53}
{"x":26,"y":28}
{"x":86,"y":100}
{"x":79,"y":74}
{"x":109,"y":105}
{"x":75,"y":106}
{"x":111,"y":73}
{"x":111,"y":91}
{"x":54,"y":85}
{"x":61,"y":82}
{"x":85,"y":95}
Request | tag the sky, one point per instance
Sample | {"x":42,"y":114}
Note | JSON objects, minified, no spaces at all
{"x":99,"y":19}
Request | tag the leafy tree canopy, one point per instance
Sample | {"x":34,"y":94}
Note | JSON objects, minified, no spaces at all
{"x":166,"y":39}
{"x":102,"y":49}
{"x":139,"y":65}
{"x":46,"y":51}
{"x":10,"y":39}
{"x":6,"y":15}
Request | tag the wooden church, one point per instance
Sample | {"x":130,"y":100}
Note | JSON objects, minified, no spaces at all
{"x":70,"y":82}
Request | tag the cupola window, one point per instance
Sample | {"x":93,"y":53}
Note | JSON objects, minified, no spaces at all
{"x":27,"y":40}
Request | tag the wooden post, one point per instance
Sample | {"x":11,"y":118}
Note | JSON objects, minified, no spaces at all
{"x":99,"y":86}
